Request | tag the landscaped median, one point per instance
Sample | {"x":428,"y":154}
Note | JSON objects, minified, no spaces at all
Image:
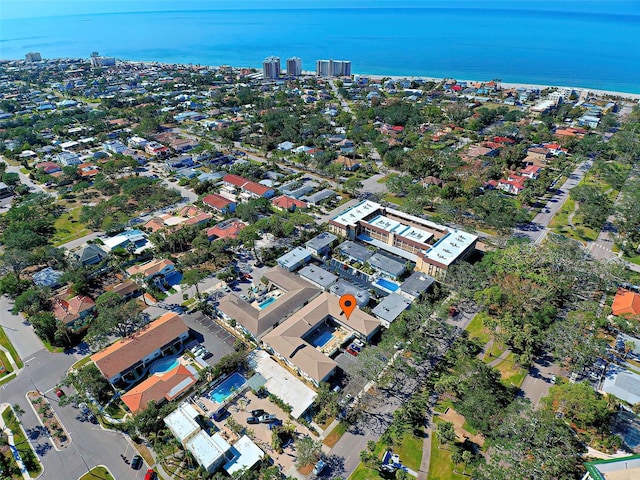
{"x":100,"y":472}
{"x":19,"y":440}
{"x":49,"y":420}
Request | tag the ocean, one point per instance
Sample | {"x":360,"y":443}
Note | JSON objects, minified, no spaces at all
{"x":518,"y":42}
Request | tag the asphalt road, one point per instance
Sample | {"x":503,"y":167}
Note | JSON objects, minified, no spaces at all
{"x":539,"y":379}
{"x":537,"y":229}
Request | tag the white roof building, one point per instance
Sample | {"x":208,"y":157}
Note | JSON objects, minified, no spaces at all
{"x":209,"y":451}
{"x":182,"y":422}
{"x":450,"y":247}
{"x":245,"y":455}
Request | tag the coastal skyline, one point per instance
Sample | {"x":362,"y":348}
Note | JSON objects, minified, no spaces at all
{"x":534,"y":42}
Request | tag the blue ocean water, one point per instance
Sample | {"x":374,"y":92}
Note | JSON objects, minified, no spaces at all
{"x":518,"y":42}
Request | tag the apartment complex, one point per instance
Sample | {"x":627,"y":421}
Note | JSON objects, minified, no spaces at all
{"x":271,"y":67}
{"x":432,"y":247}
{"x":333,"y":68}
{"x":294,"y":67}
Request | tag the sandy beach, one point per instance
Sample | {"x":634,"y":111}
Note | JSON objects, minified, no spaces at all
{"x":507,"y":85}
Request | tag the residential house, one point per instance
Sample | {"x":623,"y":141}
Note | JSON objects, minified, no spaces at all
{"x":620,"y":468}
{"x":182,"y":422}
{"x":156,"y":269}
{"x":133,"y":240}
{"x":320,"y":245}
{"x":343,"y":287}
{"x":88,"y":170}
{"x":390,"y":308}
{"x":349,"y":164}
{"x":129,"y":358}
{"x":48,"y":277}
{"x":5,"y":191}
{"x":126,"y":289}
{"x":92,"y":254}
{"x":626,"y":303}
{"x":114,"y":146}
{"x":208,"y":451}
{"x":73,"y":312}
{"x":219,"y":203}
{"x":294,"y":259}
{"x":530,"y":171}
{"x":514,"y":184}
{"x":67,"y":159}
{"x":226,"y":230}
{"x":49,"y":167}
{"x":287,"y":204}
{"x":416,"y":285}
{"x":318,"y":276}
{"x":319,"y":197}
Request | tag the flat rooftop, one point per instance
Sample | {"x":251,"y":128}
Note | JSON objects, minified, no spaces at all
{"x":357,"y":213}
{"x":625,"y":468}
{"x":450,"y":247}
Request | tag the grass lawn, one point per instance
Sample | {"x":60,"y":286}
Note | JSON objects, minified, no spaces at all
{"x":364,"y":473}
{"x":635,"y":259}
{"x":51,"y":348}
{"x":476,"y":329}
{"x":443,"y":405}
{"x":4,"y":362}
{"x":393,"y":199}
{"x":441,"y":466}
{"x":68,"y":227}
{"x":410,"y":451}
{"x":98,"y":473}
{"x":510,"y":371}
{"x":22,"y":444}
{"x":7,"y":378}
{"x":335,"y":435}
{"x":4,"y":341}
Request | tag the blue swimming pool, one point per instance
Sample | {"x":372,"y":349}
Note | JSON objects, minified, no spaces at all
{"x":227,"y":387}
{"x":267,"y":302}
{"x":322,"y":339}
{"x":164,"y":364}
{"x":384,"y":283}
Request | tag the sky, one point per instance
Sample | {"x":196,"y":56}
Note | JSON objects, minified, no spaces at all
{"x":45,"y":8}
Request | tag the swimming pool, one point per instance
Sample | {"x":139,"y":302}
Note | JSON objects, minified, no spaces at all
{"x":267,"y":302}
{"x":227,"y":387}
{"x":384,"y":283}
{"x":322,"y":339}
{"x":164,"y":364}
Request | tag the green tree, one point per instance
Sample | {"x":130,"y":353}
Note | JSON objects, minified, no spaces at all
{"x":580,"y":403}
{"x":445,"y":433}
{"x":308,"y":450}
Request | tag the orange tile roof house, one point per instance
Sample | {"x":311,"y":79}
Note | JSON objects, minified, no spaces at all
{"x":128,"y":358}
{"x":227,"y":229}
{"x":160,"y":387}
{"x":72,"y":311}
{"x":626,"y":302}
{"x":153,"y":268}
{"x":219,"y":203}
{"x":285,"y":203}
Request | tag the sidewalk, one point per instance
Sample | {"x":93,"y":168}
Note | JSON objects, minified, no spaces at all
{"x":12,"y":445}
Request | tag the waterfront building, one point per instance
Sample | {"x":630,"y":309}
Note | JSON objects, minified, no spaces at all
{"x":333,"y":68}
{"x":33,"y":57}
{"x":98,"y":61}
{"x":271,"y":67}
{"x":294,"y":67}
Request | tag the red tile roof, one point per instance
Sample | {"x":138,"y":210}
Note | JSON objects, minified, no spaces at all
{"x":287,"y":203}
{"x":236,"y":180}
{"x":255,"y":188}
{"x":626,"y":302}
{"x":126,"y":352}
{"x":158,"y":387}
{"x":226,"y":230}
{"x":217,"y":201}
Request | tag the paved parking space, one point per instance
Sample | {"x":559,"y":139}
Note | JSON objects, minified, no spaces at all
{"x":214,"y":337}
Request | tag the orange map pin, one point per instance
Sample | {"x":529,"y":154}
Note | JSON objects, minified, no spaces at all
{"x":348,"y":304}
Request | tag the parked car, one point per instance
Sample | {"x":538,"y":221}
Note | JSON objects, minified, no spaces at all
{"x":268,"y":418}
{"x":257,"y":412}
{"x":355,"y":347}
{"x":83,"y":408}
{"x":59,"y":392}
{"x":92,"y":418}
{"x":336,"y":389}
{"x":219,"y":414}
{"x":151,"y":475}
{"x":319,"y":467}
{"x":345,"y":401}
{"x":358,"y":342}
{"x":207,"y":356}
{"x":351,"y":351}
{"x":136,"y":462}
{"x":252,"y":420}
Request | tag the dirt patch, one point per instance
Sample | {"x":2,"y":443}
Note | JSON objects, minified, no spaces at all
{"x":458,"y":421}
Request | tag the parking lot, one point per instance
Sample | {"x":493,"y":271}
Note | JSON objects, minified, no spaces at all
{"x":214,"y":337}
